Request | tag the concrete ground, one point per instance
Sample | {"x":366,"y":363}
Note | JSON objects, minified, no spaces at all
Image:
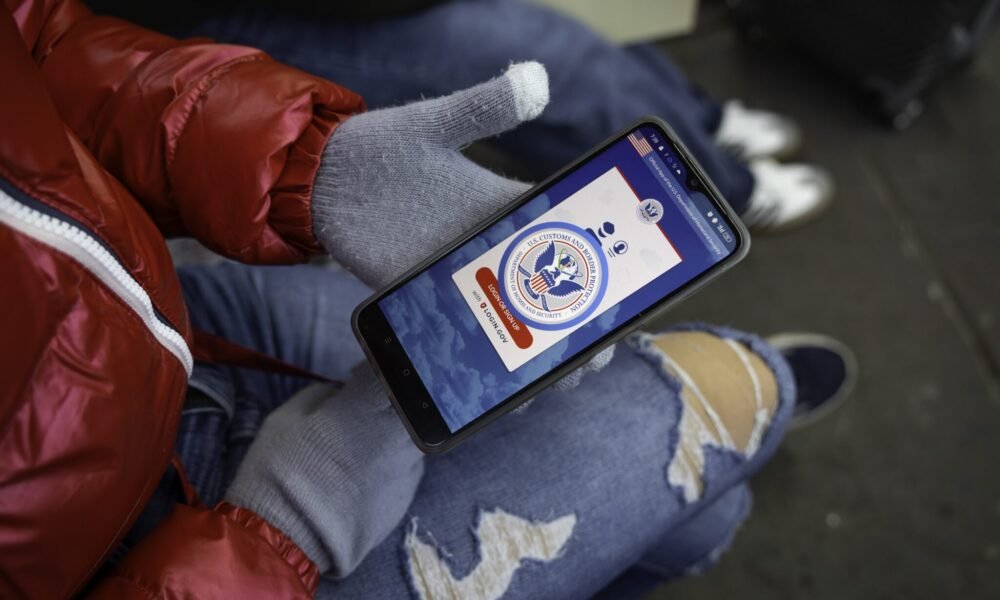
{"x":896,"y":495}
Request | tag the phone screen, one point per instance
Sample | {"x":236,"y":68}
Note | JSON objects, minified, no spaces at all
{"x":583,"y":257}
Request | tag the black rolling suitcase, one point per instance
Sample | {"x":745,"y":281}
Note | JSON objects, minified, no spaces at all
{"x":892,"y":49}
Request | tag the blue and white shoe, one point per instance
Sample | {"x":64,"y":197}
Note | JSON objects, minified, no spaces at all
{"x":786,"y":196}
{"x":825,"y":371}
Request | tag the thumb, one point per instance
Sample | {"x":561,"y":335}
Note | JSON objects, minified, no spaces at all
{"x":484,"y":110}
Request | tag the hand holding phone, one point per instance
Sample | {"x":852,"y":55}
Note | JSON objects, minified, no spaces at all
{"x":340,"y":450}
{"x":394,"y":187}
{"x":539,"y":288}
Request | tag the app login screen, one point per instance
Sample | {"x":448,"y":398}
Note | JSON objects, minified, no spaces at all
{"x":602,"y":244}
{"x":567,"y":267}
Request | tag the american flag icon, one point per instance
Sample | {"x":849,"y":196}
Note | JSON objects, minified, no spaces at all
{"x":538,"y":283}
{"x":640,"y":144}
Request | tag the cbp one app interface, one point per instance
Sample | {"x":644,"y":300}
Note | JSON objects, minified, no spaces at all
{"x":568,"y":267}
{"x":602,"y":244}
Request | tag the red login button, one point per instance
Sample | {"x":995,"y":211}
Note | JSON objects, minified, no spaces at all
{"x":491,"y":287}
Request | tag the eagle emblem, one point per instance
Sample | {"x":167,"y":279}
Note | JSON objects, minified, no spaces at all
{"x":555,"y":275}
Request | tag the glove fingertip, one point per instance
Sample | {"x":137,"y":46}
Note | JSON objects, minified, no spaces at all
{"x":602,"y":358}
{"x":530,"y":84}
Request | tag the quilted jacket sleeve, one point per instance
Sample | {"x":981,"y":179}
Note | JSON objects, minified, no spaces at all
{"x":218,"y":142}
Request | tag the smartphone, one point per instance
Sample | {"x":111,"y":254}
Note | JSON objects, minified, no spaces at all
{"x":536,"y":290}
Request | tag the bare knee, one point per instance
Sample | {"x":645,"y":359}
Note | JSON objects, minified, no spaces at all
{"x":729,"y":396}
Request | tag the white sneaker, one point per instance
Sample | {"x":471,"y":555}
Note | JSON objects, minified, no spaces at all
{"x":750,"y":134}
{"x":786,"y":196}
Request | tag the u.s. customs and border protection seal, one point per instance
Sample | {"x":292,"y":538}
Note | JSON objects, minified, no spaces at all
{"x":553,"y":276}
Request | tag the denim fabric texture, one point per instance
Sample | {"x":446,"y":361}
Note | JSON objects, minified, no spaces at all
{"x":596,"y":455}
{"x":596,"y":87}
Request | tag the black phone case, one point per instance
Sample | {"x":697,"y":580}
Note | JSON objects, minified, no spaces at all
{"x":612,"y":338}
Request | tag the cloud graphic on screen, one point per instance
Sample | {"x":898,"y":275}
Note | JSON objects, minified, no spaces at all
{"x":462,"y":383}
{"x":465,"y":384}
{"x":450,"y":350}
{"x":608,"y":319}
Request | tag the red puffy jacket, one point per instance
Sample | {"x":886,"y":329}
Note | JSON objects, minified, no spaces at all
{"x":112,"y":137}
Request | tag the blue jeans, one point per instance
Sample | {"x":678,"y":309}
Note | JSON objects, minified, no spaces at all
{"x":589,"y":463}
{"x":596,"y":88}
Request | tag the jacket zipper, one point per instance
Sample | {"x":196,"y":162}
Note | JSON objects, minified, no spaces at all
{"x":55,"y":230}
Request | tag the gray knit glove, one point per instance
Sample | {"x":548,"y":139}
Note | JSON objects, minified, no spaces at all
{"x":335,"y":470}
{"x":393,"y":186}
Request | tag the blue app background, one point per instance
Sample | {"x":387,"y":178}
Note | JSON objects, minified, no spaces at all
{"x":448,"y":348}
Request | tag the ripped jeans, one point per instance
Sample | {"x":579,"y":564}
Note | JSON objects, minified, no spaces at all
{"x":634,"y":477}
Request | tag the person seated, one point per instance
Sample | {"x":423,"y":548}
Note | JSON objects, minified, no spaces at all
{"x":116,"y":137}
